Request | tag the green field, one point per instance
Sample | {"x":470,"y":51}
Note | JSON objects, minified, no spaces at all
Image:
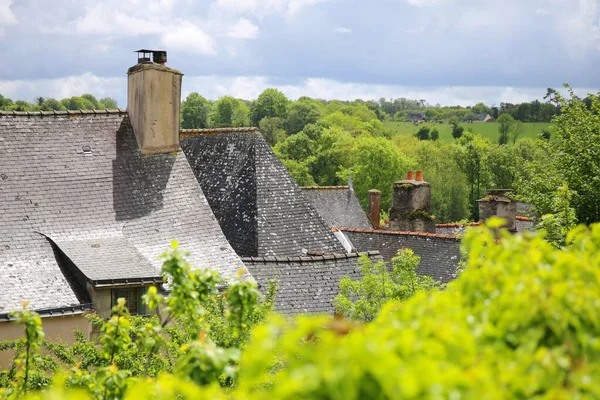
{"x":485,"y":129}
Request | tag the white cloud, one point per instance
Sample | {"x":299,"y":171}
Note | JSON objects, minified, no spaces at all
{"x":105,"y":19}
{"x":65,"y":87}
{"x":6,"y":15}
{"x":262,"y":8}
{"x":188,"y":37}
{"x":343,"y":30}
{"x":243,"y":29}
{"x":295,"y":6}
{"x":422,"y":3}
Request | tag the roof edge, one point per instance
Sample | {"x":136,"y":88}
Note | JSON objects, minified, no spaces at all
{"x":324,"y":187}
{"x":321,"y":258}
{"x":188,"y":133}
{"x":118,"y":111}
{"x":127,"y":281}
{"x":403,"y":233}
{"x":56,"y":312}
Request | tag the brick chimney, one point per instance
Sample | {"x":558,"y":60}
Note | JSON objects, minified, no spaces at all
{"x":497,"y":203}
{"x":374,"y":207}
{"x":411,"y":205}
{"x":153,"y":102}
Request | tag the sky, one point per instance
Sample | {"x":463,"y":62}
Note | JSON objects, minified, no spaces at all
{"x":444,"y":51}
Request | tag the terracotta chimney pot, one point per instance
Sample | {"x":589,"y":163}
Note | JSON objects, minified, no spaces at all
{"x":419,"y":176}
{"x":409,"y":176}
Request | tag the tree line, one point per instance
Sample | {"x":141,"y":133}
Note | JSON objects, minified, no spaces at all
{"x":83,"y":102}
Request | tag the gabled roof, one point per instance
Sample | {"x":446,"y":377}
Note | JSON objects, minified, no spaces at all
{"x":306,"y":284}
{"x":440,"y":254}
{"x":337,"y":205}
{"x":260,"y":208}
{"x":78,"y":179}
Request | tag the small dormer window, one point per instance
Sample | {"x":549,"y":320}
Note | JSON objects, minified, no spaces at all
{"x":87,"y":151}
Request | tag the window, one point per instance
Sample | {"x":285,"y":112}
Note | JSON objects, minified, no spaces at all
{"x":133,"y":298}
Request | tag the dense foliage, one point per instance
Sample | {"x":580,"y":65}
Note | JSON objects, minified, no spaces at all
{"x":572,"y":158}
{"x":196,"y":332}
{"x":519,"y":322}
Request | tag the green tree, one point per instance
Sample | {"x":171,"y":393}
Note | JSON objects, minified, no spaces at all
{"x":422,"y":133}
{"x":301,"y":113}
{"x":229,"y":112}
{"x":562,"y":219}
{"x":457,"y":130}
{"x":92,"y":99}
{"x":299,"y":171}
{"x":271,"y":129}
{"x":506,"y":124}
{"x":195,"y":111}
{"x":573,"y":156}
{"x":374,"y":163}
{"x":435,"y":134}
{"x":297,"y":147}
{"x":109,"y":103}
{"x":50,"y":104}
{"x":271,"y":103}
{"x":362,"y":299}
{"x":5,"y":102}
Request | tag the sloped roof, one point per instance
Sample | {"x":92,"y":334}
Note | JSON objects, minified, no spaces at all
{"x":440,"y":254}
{"x":306,"y":284}
{"x":458,"y":229}
{"x":78,"y":178}
{"x":338,"y":206}
{"x":260,"y":208}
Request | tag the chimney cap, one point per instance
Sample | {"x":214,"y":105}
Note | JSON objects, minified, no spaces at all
{"x":158,"y":56}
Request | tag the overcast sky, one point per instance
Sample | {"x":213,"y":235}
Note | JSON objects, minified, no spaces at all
{"x":444,"y":51}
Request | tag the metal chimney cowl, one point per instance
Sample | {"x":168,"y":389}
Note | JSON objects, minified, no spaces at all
{"x":153,"y":103}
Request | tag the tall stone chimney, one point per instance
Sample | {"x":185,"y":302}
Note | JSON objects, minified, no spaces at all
{"x":374,"y":207}
{"x":497,"y":204}
{"x":411,"y":205}
{"x":153,"y":102}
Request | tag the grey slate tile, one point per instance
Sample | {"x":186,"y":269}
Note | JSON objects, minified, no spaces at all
{"x":338,"y":206}
{"x":49,"y":185}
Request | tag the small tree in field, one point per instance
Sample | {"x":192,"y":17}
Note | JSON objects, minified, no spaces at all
{"x":422,"y":133}
{"x":362,"y":299}
{"x":435,"y":134}
{"x":506,"y":124}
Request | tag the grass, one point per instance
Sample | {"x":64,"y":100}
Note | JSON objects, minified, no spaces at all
{"x":486,"y":129}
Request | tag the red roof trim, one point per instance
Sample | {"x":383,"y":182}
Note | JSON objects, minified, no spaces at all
{"x":403,"y":233}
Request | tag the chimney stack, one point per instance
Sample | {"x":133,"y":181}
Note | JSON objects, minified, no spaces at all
{"x":153,"y":102}
{"x":411,"y":205}
{"x":374,"y":207}
{"x":497,"y":204}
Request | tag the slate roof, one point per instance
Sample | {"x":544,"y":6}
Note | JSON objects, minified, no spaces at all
{"x":260,"y":208}
{"x":306,"y":284}
{"x":440,"y":254}
{"x":458,"y":229}
{"x":75,"y":183}
{"x":338,"y":206}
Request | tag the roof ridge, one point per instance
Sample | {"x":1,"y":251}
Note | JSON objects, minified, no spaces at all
{"x":457,"y":225}
{"x":63,"y":112}
{"x":403,"y":233}
{"x":316,"y":187}
{"x":185,"y":133}
{"x":324,"y":257}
